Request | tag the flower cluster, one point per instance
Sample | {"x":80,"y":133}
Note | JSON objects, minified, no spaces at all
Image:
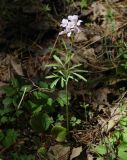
{"x":70,"y":25}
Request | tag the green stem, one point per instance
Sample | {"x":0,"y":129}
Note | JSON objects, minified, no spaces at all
{"x":67,"y":108}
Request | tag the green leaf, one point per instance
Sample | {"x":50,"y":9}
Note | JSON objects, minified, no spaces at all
{"x":5,"y":111}
{"x":58,"y":60}
{"x":3,"y":120}
{"x":7,"y":101}
{"x":26,"y":88}
{"x":62,"y":82}
{"x":80,"y":77}
{"x":32,"y":105}
{"x":42,"y":151}
{"x":52,"y":76}
{"x":78,"y":121}
{"x":9,"y":91}
{"x":40,"y":95}
{"x":122,"y":151}
{"x":50,"y":101}
{"x":38,"y":109}
{"x":61,"y":73}
{"x":54,"y":83}
{"x":125,"y":56}
{"x":22,"y":156}
{"x":59,"y":133}
{"x":43,"y":84}
{"x":40,"y":121}
{"x":1,"y":136}
{"x":75,"y":66}
{"x":124,"y":135}
{"x":10,"y":138}
{"x":100,"y":149}
{"x":79,"y":71}
{"x":15,"y":83}
{"x":123,"y":121}
{"x":62,"y":98}
{"x":73,"y":119}
{"x":53,"y":65}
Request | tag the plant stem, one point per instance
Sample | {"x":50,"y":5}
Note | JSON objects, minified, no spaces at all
{"x":22,"y":98}
{"x":67,"y":107}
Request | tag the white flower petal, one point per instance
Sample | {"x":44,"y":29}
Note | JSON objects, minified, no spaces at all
{"x":64,"y":23}
{"x":69,"y":34}
{"x":73,"y":18}
{"x":62,"y":32}
{"x":70,"y":18}
{"x":71,"y":25}
{"x":79,"y":22}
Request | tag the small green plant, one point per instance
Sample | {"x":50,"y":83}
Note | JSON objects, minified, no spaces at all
{"x":60,"y":119}
{"x":122,"y":56}
{"x":115,"y":146}
{"x":111,"y":18}
{"x":85,"y":106}
{"x":63,"y":69}
{"x":8,"y":138}
{"x":63,"y":72}
{"x":22,"y":156}
{"x":84,"y":4}
{"x":74,"y":121}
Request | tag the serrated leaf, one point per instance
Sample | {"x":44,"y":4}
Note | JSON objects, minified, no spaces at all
{"x":80,"y":77}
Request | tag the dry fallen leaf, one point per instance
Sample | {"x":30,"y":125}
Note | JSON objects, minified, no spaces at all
{"x":89,"y":55}
{"x":58,"y":152}
{"x":99,"y":10}
{"x":115,"y":116}
{"x":79,"y":37}
{"x":76,"y":152}
{"x":16,"y":66}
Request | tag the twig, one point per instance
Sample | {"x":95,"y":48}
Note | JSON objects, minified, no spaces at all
{"x":22,"y":98}
{"x":54,"y":45}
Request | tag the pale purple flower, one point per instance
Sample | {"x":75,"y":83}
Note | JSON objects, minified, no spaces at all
{"x":70,"y":25}
{"x":64,"y":23}
{"x":73,"y":18}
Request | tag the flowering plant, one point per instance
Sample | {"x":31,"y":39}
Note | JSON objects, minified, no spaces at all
{"x":70,"y":25}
